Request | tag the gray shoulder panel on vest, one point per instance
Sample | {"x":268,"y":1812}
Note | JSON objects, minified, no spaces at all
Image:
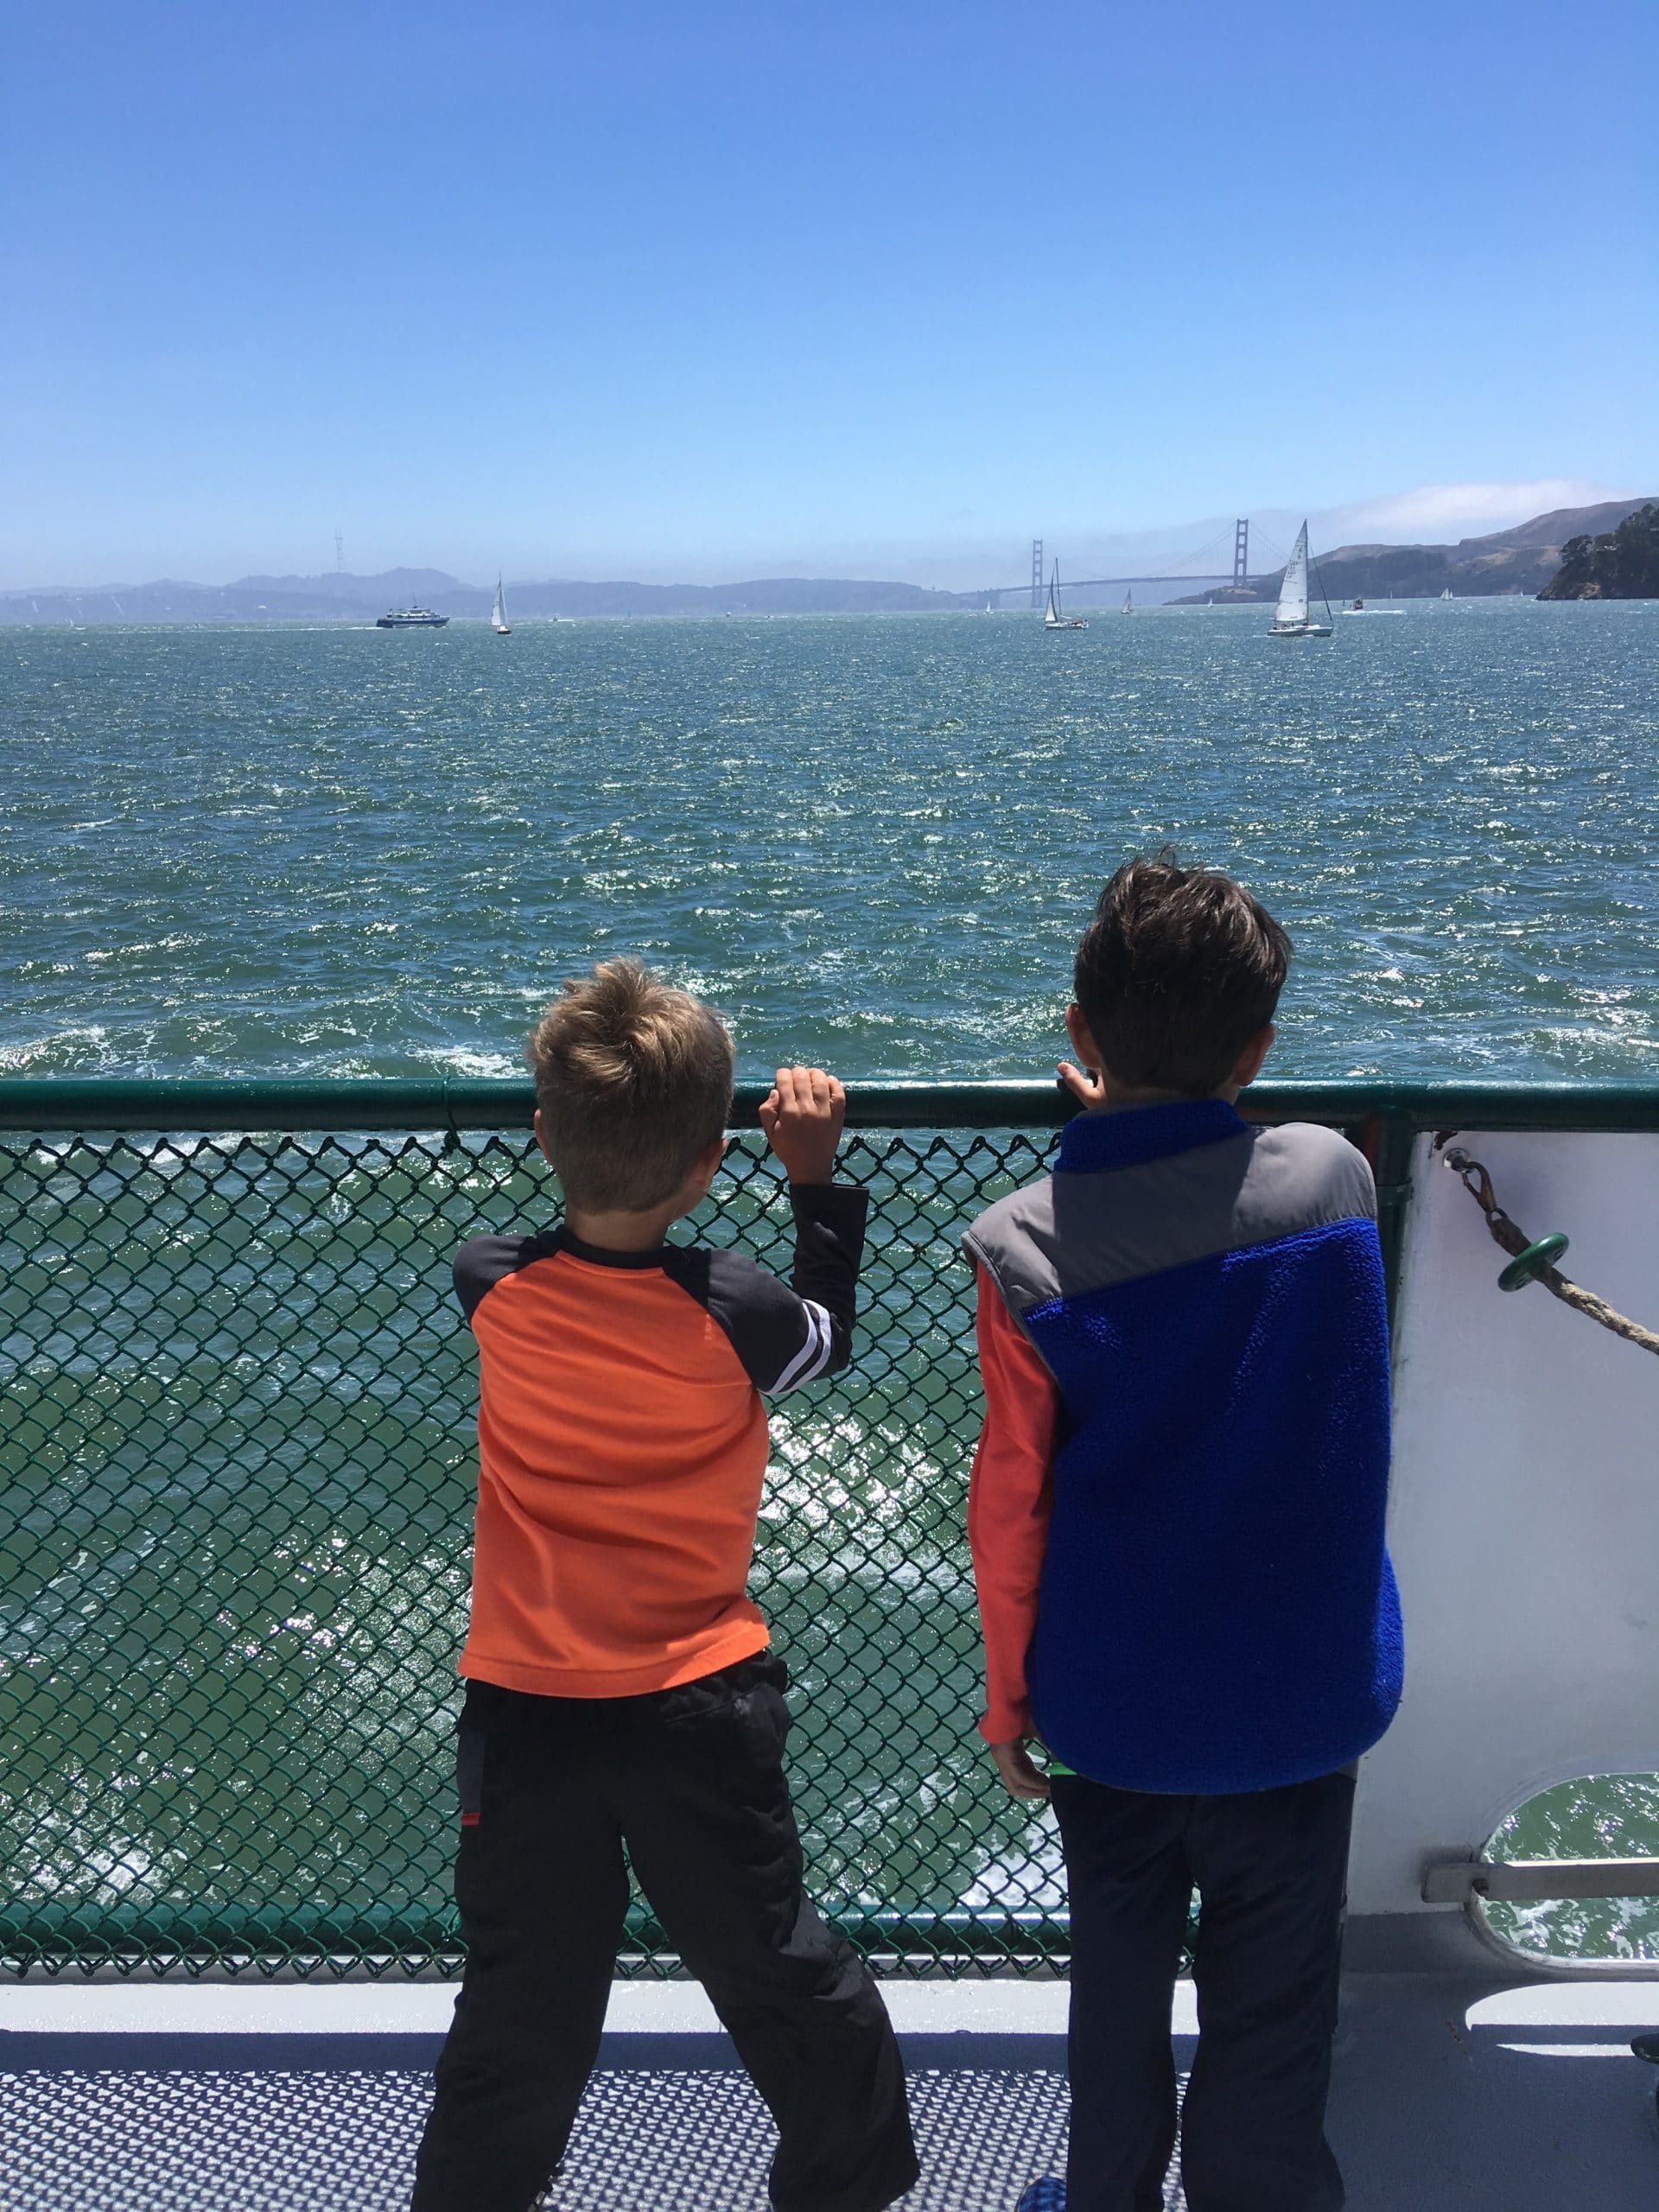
{"x":1074,"y":1233}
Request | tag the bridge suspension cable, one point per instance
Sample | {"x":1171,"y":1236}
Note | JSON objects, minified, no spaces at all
{"x":1230,"y":542}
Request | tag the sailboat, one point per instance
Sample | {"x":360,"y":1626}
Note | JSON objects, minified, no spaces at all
{"x":499,"y":621}
{"x":1128,"y":601}
{"x":1054,"y":619}
{"x":1291,"y":619}
{"x":1446,"y":593}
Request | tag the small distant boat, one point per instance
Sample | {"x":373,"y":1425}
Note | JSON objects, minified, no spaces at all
{"x":1359,"y":606}
{"x":409,"y":618}
{"x":1054,"y":619}
{"x":1290,"y":617}
{"x":1446,"y":593}
{"x":499,"y":621}
{"x":1128,"y":601}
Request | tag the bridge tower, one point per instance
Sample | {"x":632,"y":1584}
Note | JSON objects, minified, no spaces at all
{"x":1036,"y":571}
{"x":1241,"y":550}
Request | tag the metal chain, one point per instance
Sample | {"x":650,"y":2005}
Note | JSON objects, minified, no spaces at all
{"x":1476,"y":1180}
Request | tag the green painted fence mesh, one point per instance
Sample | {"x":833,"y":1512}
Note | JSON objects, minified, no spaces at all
{"x":236,"y":1480}
{"x":236,"y":1486}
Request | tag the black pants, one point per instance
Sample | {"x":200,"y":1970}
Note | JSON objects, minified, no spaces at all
{"x":1269,"y":1867}
{"x":690,"y":1781}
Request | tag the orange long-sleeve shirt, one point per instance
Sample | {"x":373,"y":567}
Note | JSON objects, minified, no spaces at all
{"x":622,"y":1445}
{"x":1010,"y":1497}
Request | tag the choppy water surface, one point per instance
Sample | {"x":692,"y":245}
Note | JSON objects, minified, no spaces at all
{"x":236,"y":1459}
{"x":872,"y":840}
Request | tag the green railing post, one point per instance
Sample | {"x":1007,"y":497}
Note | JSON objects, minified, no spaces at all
{"x":1390,"y":1140}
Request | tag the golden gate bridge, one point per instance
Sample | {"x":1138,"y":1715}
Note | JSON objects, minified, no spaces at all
{"x":1186,"y":572}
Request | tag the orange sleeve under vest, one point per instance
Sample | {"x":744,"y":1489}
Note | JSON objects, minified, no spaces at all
{"x":1010,"y":1498}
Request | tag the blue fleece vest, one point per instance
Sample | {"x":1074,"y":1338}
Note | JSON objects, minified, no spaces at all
{"x":1217,"y":1611}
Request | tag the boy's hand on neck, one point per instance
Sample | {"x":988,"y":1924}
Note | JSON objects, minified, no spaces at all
{"x":1096,"y":1088}
{"x":1099,"y":1087}
{"x":803,"y":1121}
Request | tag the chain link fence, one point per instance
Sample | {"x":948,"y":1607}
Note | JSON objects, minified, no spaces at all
{"x":237,"y":1471}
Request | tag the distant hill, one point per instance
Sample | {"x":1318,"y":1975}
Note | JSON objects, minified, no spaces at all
{"x":1520,"y":560}
{"x":1621,"y":563}
{"x":340,"y":598}
{"x":332,"y":598}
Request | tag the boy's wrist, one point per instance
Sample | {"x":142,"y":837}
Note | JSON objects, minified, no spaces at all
{"x":805,"y":1184}
{"x":828,"y":1201}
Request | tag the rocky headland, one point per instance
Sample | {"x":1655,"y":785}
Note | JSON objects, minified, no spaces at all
{"x":1621,"y":563}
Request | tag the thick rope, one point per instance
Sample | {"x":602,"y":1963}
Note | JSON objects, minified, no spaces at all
{"x":1478,"y":1183}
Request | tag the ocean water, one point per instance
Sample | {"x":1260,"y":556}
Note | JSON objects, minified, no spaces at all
{"x":236,"y":1452}
{"x":871,"y":841}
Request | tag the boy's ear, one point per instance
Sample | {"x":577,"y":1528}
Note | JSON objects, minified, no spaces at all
{"x":1248,"y":1065}
{"x":1083,"y":1037}
{"x":540,"y":1139}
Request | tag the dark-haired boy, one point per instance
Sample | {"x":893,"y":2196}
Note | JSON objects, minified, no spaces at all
{"x":622,"y":1697}
{"x":1177,"y":1523}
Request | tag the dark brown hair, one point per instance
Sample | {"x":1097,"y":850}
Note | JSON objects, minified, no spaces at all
{"x":1179,"y":969}
{"x":634,"y":1082}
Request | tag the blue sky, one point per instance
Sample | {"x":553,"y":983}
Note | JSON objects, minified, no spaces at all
{"x":730,"y":290}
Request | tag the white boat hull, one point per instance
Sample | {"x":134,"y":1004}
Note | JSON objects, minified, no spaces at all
{"x":1300,"y":630}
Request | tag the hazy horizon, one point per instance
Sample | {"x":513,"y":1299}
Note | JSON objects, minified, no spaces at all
{"x":1432,"y":514}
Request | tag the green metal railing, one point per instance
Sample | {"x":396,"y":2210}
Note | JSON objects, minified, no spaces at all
{"x":236,"y":1481}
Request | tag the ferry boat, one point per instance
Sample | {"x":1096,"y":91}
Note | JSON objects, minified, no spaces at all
{"x":410,"y":618}
{"x":230,"y":1974}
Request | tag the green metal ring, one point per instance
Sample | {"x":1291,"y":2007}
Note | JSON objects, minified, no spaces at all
{"x":1527,"y":1267}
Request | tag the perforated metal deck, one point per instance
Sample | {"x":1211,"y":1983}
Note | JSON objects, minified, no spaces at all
{"x":1450,"y":2096}
{"x":331,"y":2124}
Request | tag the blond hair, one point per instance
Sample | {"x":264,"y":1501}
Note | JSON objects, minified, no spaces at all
{"x":633,"y":1079}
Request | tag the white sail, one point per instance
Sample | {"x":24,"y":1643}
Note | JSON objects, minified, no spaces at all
{"x":1052,"y":617}
{"x":499,"y":612}
{"x":1293,"y":593}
